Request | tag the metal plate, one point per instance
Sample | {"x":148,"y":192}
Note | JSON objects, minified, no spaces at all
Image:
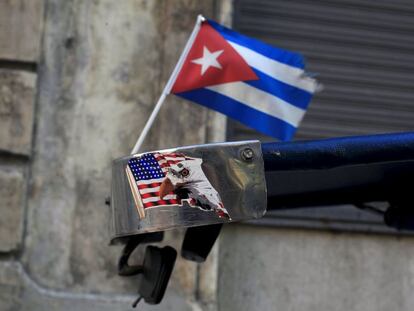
{"x":231,"y":174}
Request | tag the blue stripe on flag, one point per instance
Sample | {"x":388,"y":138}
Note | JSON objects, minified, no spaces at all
{"x":288,"y":93}
{"x":287,"y":57}
{"x":260,"y":121}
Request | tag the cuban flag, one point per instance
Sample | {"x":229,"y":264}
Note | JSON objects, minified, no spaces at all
{"x":257,"y":84}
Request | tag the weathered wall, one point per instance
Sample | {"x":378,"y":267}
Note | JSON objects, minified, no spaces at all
{"x":17,"y":94}
{"x":78,"y":80}
{"x":278,"y":269}
{"x":21,"y":24}
{"x":20,"y":33}
{"x":20,"y":29}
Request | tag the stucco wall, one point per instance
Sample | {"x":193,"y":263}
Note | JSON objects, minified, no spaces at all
{"x":78,"y":80}
{"x":280,"y":269}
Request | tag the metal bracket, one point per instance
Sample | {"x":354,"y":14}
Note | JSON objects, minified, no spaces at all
{"x":214,"y":183}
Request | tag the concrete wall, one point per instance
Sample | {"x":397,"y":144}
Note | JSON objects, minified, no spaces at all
{"x":78,"y":80}
{"x":280,"y":269}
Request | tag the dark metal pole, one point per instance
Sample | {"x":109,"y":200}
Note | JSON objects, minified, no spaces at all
{"x":339,"y":171}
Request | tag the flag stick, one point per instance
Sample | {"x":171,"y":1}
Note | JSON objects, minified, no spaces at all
{"x":168,"y":86}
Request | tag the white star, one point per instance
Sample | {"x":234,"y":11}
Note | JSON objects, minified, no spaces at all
{"x":208,"y":60}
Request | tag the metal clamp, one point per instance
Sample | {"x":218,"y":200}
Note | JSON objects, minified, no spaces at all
{"x":187,"y":186}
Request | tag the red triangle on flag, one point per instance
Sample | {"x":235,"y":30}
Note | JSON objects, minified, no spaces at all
{"x":210,"y":61}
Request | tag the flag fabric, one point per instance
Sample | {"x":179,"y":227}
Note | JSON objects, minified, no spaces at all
{"x":255,"y":83}
{"x":149,"y":171}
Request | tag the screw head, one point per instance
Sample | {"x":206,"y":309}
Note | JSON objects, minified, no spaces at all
{"x":247,"y":154}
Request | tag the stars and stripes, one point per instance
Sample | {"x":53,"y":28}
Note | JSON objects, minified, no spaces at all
{"x":149,"y":171}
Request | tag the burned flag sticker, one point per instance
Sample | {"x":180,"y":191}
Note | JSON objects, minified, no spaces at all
{"x":162,"y":179}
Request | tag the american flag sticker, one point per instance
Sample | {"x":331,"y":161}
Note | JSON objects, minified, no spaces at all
{"x":167,"y":179}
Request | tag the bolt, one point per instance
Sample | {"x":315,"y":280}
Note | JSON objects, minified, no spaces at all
{"x":247,"y":154}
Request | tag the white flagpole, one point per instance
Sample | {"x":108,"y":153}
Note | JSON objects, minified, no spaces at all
{"x":169,"y":84}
